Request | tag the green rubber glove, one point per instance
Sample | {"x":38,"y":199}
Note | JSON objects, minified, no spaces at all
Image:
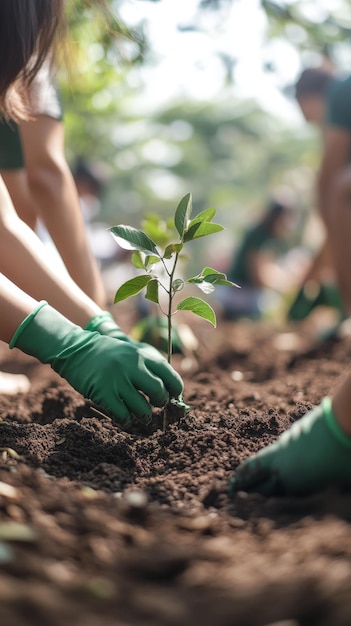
{"x":303,"y":304}
{"x":327,"y":294}
{"x":109,"y":371}
{"x":313,"y":454}
{"x":153,"y":331}
{"x":106,"y":325}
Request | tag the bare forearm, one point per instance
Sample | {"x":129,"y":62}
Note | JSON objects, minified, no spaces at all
{"x":336,"y":155}
{"x":15,"y":305}
{"x":56,"y":200}
{"x":58,"y":205}
{"x":322,"y":266}
{"x":25,"y":261}
{"x":323,"y":192}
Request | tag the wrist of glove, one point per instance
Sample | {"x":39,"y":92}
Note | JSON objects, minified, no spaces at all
{"x":312,"y":455}
{"x":104,"y":324}
{"x":107,"y":370}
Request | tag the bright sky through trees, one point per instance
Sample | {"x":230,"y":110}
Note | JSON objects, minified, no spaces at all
{"x":187,"y":63}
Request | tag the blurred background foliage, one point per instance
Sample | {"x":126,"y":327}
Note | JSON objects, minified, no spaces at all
{"x":228,"y":151}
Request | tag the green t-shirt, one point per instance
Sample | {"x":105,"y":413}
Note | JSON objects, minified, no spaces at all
{"x":255,"y":239}
{"x":339,"y":104}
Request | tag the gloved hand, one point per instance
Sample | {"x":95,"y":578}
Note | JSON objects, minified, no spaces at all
{"x":152,"y":330}
{"x":304,"y":302}
{"x":106,"y":325}
{"x":109,"y":371}
{"x":312,"y":295}
{"x":313,"y":454}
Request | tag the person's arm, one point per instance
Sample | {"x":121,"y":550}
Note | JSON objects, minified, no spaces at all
{"x":265,"y":271}
{"x":25,"y":261}
{"x":336,"y":155}
{"x":106,"y":369}
{"x":109,"y":372}
{"x":16,"y":182}
{"x":15,"y":305}
{"x":321,"y":266}
{"x":55,"y":196}
{"x":335,"y":205}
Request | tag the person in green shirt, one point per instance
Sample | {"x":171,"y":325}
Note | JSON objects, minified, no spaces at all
{"x":254,"y":266}
{"x":315,"y":453}
{"x":325,"y":101}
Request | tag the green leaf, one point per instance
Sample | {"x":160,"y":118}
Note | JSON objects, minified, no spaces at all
{"x":182,"y":214}
{"x":225,"y":282}
{"x":132,"y":287}
{"x":212,"y":276}
{"x":151,"y":260}
{"x":177,"y":284}
{"x":199,"y":307}
{"x":158,"y":229}
{"x":173,"y":248}
{"x":201,"y":229}
{"x":217,"y":278}
{"x":210,"y":270}
{"x":137,"y":260}
{"x":205,"y":216}
{"x":131,"y":238}
{"x":152,"y":291}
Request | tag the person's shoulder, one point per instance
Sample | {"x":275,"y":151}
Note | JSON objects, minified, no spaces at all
{"x":256,"y":235}
{"x":340,"y":86}
{"x":339,"y":103}
{"x":253,"y":230}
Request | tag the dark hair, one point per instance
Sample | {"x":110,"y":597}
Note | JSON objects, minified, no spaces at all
{"x":314,"y":81}
{"x":27,"y":34}
{"x":274,"y":211}
{"x":83,"y":171}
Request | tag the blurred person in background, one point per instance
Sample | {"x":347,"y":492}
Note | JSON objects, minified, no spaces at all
{"x":44,"y":313}
{"x":325,"y":101}
{"x":90,"y":180}
{"x":315,"y":453}
{"x":255,"y":265}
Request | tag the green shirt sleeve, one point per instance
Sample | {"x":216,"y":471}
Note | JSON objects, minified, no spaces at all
{"x":255,"y":239}
{"x":339,"y":104}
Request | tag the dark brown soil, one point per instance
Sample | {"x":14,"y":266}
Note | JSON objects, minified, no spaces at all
{"x":108,"y":528}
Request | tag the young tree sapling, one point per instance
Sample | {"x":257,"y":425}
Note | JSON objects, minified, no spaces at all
{"x":163,"y":250}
